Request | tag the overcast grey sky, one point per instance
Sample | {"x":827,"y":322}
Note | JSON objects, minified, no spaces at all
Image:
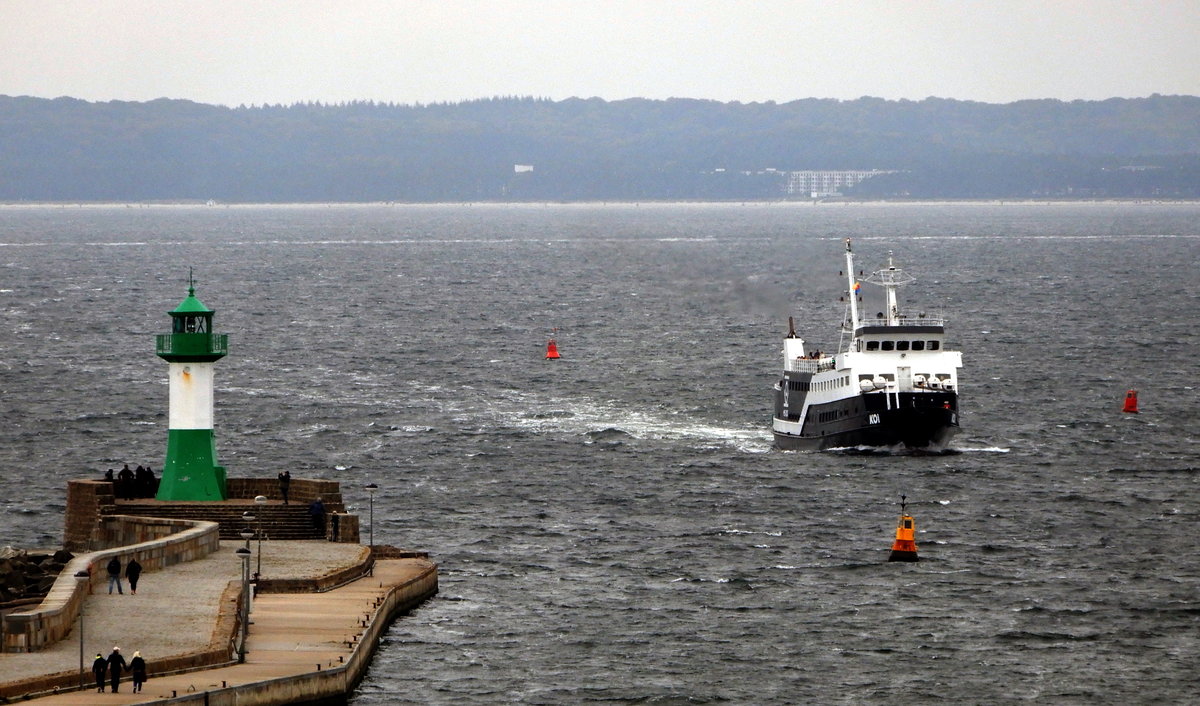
{"x":408,"y":51}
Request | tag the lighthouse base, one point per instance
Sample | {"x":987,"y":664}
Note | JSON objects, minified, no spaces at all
{"x":190,"y":471}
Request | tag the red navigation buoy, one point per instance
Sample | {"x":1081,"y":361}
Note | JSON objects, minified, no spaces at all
{"x":1130,"y":402}
{"x":552,"y":350}
{"x":905,"y":546}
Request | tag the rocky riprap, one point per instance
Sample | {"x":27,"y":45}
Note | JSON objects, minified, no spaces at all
{"x":25,"y":577}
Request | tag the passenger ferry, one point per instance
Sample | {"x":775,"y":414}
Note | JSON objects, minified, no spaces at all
{"x":894,"y":383}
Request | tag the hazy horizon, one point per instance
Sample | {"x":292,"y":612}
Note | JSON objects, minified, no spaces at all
{"x":230,"y":53}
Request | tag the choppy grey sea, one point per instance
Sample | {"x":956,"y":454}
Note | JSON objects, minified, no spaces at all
{"x":615,"y":526}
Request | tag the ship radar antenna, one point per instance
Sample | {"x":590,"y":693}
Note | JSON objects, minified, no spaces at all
{"x":890,"y":278}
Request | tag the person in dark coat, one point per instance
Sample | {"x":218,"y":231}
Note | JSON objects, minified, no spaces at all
{"x":137,"y":666}
{"x":116,"y":663}
{"x":125,"y":483}
{"x":114,"y":575}
{"x":285,"y":483}
{"x":99,"y":669}
{"x":132,"y":571}
{"x":142,"y":480}
{"x":317,"y":512}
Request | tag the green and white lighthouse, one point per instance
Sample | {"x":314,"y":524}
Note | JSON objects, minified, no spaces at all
{"x":190,"y":471}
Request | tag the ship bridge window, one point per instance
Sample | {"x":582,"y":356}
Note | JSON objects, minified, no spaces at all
{"x":901,"y":345}
{"x":918,"y":345}
{"x":872,"y":345}
{"x":934,"y":345}
{"x":888,"y":346}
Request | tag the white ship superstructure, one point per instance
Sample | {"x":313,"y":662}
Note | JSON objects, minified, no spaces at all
{"x":894,"y":383}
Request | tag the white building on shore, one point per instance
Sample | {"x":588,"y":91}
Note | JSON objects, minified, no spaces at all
{"x":821,"y":184}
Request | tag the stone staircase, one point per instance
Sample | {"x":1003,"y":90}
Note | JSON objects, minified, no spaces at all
{"x":279,"y":521}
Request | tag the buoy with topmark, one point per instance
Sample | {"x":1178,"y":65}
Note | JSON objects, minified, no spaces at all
{"x":905,"y":546}
{"x":1130,"y":402}
{"x":552,"y":349}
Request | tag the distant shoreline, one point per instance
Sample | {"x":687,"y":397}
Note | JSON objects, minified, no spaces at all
{"x":16,"y":205}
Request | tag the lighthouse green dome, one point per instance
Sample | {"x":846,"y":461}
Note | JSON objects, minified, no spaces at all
{"x":191,"y":305}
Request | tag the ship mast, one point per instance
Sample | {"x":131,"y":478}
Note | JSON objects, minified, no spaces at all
{"x":851,"y":287}
{"x":890,"y":278}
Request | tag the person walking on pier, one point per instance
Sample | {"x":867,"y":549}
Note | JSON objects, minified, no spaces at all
{"x":132,"y":571}
{"x":285,"y":483}
{"x":99,"y":669}
{"x":116,"y":663}
{"x":137,"y":666}
{"x":114,"y":575}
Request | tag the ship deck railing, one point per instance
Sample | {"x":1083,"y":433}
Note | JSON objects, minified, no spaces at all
{"x":811,"y":365}
{"x":901,"y":320}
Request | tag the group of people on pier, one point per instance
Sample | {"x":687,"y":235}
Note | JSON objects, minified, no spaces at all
{"x":114,"y":665}
{"x":133,"y":571}
{"x":132,"y":483}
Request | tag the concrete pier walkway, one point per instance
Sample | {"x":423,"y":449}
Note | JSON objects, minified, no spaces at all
{"x":297,"y":647}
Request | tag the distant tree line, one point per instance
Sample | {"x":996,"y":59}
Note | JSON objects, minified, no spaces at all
{"x":590,"y":149}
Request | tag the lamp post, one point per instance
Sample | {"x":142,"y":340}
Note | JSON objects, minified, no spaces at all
{"x":259,"y":500}
{"x":247,"y":517}
{"x":82,"y":579}
{"x":244,"y":554}
{"x":246,"y":534}
{"x":371,"y":488}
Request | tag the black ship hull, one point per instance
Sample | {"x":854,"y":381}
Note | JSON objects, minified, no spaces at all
{"x":922,"y":421}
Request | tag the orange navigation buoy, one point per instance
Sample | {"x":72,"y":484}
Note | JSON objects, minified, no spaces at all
{"x":1130,"y":402}
{"x":905,"y":546}
{"x":552,"y":350}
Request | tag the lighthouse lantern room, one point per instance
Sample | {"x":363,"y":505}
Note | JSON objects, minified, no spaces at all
{"x":190,"y":471}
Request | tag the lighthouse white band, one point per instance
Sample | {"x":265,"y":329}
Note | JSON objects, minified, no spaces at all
{"x":191,"y":396}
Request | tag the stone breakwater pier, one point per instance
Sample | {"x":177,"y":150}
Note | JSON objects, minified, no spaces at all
{"x":319,"y":611}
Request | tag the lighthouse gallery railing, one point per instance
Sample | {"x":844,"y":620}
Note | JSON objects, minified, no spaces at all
{"x":192,"y":343}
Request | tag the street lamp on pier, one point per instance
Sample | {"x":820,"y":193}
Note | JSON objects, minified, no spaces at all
{"x":82,"y":580}
{"x":259,"y":500}
{"x":371,"y":488}
{"x":244,"y":554}
{"x":247,"y":519}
